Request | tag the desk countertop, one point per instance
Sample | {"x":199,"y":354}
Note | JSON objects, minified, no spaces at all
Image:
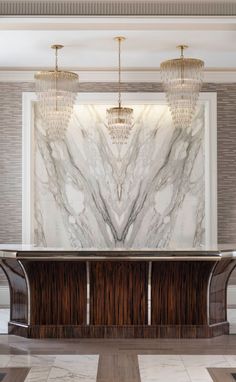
{"x":21,"y":251}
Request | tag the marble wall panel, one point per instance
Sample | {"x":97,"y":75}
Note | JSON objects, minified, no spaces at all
{"x":147,"y":193}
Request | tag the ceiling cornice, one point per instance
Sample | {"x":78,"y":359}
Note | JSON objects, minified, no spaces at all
{"x":111,"y":76}
{"x":118,"y":8}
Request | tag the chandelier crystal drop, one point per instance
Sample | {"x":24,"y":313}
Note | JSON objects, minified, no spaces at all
{"x":56,"y":94}
{"x":119,"y":119}
{"x":182,"y":80}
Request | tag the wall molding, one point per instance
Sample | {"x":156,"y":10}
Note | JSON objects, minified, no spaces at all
{"x":128,"y":76}
{"x":118,"y":8}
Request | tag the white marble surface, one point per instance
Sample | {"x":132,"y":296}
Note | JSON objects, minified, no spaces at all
{"x":81,"y":368}
{"x":181,"y":368}
{"x":153,"y":368}
{"x":149,"y":193}
{"x":48,"y":368}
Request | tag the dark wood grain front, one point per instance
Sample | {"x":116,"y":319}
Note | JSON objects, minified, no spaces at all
{"x":18,"y":290}
{"x":49,"y":297}
{"x":218,"y":290}
{"x":57,"y":292}
{"x":118,"y":293}
{"x":179,"y":292}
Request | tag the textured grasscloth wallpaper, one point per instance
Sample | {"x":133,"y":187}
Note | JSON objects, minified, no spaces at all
{"x":10,"y":153}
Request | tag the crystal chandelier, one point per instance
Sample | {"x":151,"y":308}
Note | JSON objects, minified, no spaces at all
{"x":182,"y":80}
{"x":56,"y":93}
{"x":119,"y":119}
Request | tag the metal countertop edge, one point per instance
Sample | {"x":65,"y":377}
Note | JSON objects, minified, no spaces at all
{"x":105,"y":258}
{"x":174,"y":257}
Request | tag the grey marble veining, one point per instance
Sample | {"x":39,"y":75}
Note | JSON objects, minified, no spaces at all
{"x":148,"y":193}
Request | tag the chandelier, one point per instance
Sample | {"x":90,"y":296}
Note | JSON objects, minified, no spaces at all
{"x":119,"y":119}
{"x":182,"y":80}
{"x":56,"y":93}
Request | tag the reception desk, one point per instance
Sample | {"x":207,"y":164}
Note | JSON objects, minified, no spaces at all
{"x":71,"y":293}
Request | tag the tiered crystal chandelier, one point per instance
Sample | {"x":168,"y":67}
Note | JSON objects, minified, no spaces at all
{"x":119,"y":119}
{"x":182,"y":80}
{"x":56,"y":92}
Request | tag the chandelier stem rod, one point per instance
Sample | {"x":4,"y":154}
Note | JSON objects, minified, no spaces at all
{"x":182,"y":47}
{"x":56,"y":69}
{"x":56,"y":58}
{"x":56,"y":63}
{"x":119,"y":63}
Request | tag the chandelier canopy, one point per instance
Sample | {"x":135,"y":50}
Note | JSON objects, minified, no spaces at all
{"x":182,"y":80}
{"x":119,"y":119}
{"x":56,"y":92}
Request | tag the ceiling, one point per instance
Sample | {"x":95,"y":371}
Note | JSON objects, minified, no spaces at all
{"x":90,"y":46}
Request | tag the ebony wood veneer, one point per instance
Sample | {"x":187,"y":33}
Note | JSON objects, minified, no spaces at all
{"x":58,"y":292}
{"x":118,"y":293}
{"x":49,"y":298}
{"x":179,"y":292}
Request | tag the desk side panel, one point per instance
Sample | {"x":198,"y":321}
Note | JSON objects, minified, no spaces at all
{"x":58,"y":292}
{"x":19,"y":293}
{"x":218,"y":290}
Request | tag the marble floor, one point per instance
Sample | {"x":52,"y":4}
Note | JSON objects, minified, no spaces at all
{"x":116,"y":360}
{"x":152,"y":368}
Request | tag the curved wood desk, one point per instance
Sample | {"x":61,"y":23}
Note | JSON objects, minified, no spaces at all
{"x":59,"y":293}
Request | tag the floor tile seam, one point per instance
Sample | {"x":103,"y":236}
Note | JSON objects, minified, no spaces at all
{"x":189,"y":376}
{"x":32,"y":371}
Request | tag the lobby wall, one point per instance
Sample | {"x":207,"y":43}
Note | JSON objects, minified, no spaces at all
{"x":11,"y":152}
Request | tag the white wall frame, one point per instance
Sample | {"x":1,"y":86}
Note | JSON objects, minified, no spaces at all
{"x":210,"y":101}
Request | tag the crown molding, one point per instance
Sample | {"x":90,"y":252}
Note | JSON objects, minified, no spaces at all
{"x":151,"y":76}
{"x":118,"y":8}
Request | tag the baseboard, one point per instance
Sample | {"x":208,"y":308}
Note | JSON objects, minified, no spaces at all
{"x":113,"y":331}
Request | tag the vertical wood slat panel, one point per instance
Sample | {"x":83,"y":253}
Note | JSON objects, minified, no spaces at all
{"x":179,"y":292}
{"x":118,"y":293}
{"x":58,"y":292}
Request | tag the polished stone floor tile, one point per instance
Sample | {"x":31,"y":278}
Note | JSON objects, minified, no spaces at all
{"x":231,"y":359}
{"x":198,"y":374}
{"x":31,"y":360}
{"x":38,"y":374}
{"x":77,"y":368}
{"x":204,"y":360}
{"x":152,"y":371}
{"x":4,"y":360}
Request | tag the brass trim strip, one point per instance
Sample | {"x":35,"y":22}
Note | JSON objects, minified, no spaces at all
{"x":88,"y":294}
{"x":150,"y":293}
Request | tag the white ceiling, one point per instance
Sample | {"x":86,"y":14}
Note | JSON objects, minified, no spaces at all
{"x":89,"y":44}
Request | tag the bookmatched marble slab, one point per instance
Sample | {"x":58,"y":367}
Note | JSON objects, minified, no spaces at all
{"x":148,"y":193}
